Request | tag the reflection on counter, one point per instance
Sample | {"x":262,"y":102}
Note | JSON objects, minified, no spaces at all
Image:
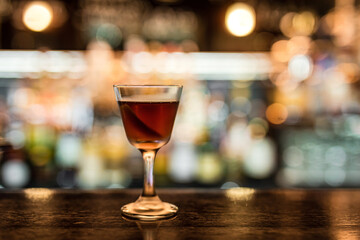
{"x":240,"y":194}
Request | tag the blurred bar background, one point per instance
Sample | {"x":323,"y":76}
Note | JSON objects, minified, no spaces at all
{"x":271,"y":92}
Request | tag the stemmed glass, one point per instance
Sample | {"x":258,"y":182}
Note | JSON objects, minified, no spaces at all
{"x":148,"y":113}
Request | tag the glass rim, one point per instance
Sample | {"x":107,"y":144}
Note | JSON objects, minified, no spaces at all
{"x":147,"y":85}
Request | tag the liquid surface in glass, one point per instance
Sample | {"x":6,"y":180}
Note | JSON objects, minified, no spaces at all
{"x":148,"y":125}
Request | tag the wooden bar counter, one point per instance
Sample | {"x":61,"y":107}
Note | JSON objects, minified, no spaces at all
{"x":238,"y":213}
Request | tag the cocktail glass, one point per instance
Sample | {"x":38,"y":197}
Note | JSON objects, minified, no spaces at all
{"x":148,"y":113}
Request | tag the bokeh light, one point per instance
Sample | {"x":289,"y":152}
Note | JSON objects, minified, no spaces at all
{"x":240,"y":19}
{"x":276,"y":113}
{"x":293,"y":157}
{"x":298,"y":24}
{"x":334,"y":176}
{"x":279,"y":51}
{"x":299,"y":45}
{"x":286,"y":24}
{"x":300,"y":67}
{"x":109,"y":33}
{"x":304,"y":23}
{"x":15,"y":174}
{"x":258,"y":128}
{"x":259,"y":160}
{"x":350,"y":70}
{"x":336,"y":156}
{"x":240,"y":106}
{"x":37,"y":16}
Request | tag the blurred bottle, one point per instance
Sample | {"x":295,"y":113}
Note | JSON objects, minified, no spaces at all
{"x":210,"y":169}
{"x":114,"y":151}
{"x":40,"y":149}
{"x":91,"y":167}
{"x":183,"y":162}
{"x":15,"y":170}
{"x":67,"y":155}
{"x":41,"y":140}
{"x":161,"y":166}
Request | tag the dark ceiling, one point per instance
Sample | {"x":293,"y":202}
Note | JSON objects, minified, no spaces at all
{"x":74,"y":33}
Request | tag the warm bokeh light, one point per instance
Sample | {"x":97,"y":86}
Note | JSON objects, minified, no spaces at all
{"x":298,"y":24}
{"x":286,"y":24}
{"x":304,"y":23}
{"x":279,"y":51}
{"x":350,"y":70}
{"x":299,"y":45}
{"x":240,"y":19}
{"x":37,"y":16}
{"x":276,"y":113}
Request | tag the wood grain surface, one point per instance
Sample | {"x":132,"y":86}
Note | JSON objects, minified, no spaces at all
{"x":204,"y":214}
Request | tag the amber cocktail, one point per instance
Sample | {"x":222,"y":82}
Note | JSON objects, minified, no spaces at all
{"x":148,"y":113}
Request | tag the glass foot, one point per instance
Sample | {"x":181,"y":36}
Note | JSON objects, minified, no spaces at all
{"x":149,"y":208}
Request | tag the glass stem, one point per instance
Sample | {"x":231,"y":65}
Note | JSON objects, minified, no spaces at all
{"x":149,"y":159}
